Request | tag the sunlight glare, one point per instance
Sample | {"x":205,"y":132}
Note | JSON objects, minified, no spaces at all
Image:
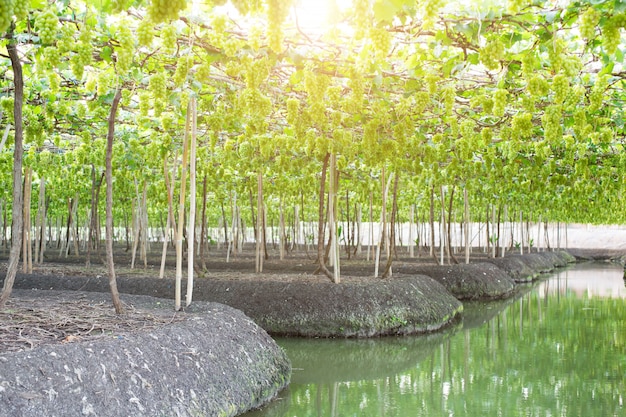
{"x":317,"y":16}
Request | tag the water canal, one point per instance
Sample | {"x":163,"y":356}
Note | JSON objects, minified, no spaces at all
{"x":557,"y":349}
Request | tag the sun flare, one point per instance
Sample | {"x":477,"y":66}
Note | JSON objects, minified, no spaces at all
{"x":316,"y":16}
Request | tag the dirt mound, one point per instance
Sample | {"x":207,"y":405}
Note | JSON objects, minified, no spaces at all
{"x":360,"y":307}
{"x":215,"y":361}
{"x":467,"y":282}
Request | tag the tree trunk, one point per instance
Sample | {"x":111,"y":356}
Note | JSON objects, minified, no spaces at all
{"x":442,"y":226}
{"x":359,"y":229}
{"x":370,"y":248}
{"x":320,"y":223}
{"x":109,"y":204}
{"x":281,"y":230}
{"x":411,"y":234}
{"x":497,"y":242}
{"x":467,"y":226}
{"x":382,"y":224}
{"x":225,"y":227}
{"x":431,"y":220}
{"x":16,"y":228}
{"x":487,"y":243}
{"x":41,"y":245}
{"x":3,"y":216}
{"x":75,"y":237}
{"x":332,"y":218}
{"x":144,"y":225}
{"x":451,"y":256}
{"x":171,"y":221}
{"x":521,"y":232}
{"x":346,"y":232}
{"x":181,"y":216}
{"x":27,"y":253}
{"x":260,"y":232}
{"x":191,"y":239}
{"x":252,"y":215}
{"x":392,"y":237}
{"x":136,"y":207}
{"x":203,"y":234}
{"x":92,"y":240}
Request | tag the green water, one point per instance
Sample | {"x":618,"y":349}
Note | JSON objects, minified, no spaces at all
{"x":557,"y":349}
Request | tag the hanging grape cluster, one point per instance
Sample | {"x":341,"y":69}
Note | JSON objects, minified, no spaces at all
{"x":522,"y":125}
{"x":165,"y":10}
{"x":611,"y":35}
{"x":492,"y":53}
{"x":145,"y":33}
{"x":422,"y":100}
{"x":83,"y":55}
{"x":561,"y":87}
{"x":538,"y":86}
{"x":182,"y":69}
{"x":499,"y":102}
{"x":169,"y":38}
{"x":448,"y":96}
{"x":551,"y":123}
{"x":277,"y":11}
{"x":20,"y":9}
{"x":528,"y":64}
{"x":158,"y":88}
{"x":10,"y":8}
{"x":362,"y":17}
{"x":588,"y":22}
{"x":126,"y":48}
{"x":381,"y":41}
{"x":293,"y":110}
{"x":47,"y":24}
{"x":596,"y":97}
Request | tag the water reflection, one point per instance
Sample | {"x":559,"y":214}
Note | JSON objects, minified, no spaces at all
{"x":559,"y":349}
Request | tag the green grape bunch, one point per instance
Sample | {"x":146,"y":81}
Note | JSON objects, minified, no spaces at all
{"x":362,"y":17}
{"x":20,"y":9}
{"x":169,"y":38}
{"x":158,"y":86}
{"x":165,"y":10}
{"x":145,"y":33}
{"x":381,"y":41}
{"x":499,"y":102}
{"x":47,"y":23}
{"x":6,"y":14}
{"x":126,"y":49}
{"x":588,"y":22}
{"x":10,"y":8}
{"x":611,"y":32}
{"x":561,"y":87}
{"x":422,"y":100}
{"x":182,"y":70}
{"x":277,"y":11}
{"x":492,"y":53}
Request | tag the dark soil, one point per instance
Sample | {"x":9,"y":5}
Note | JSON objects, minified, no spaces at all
{"x":289,"y":299}
{"x":211,"y":360}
